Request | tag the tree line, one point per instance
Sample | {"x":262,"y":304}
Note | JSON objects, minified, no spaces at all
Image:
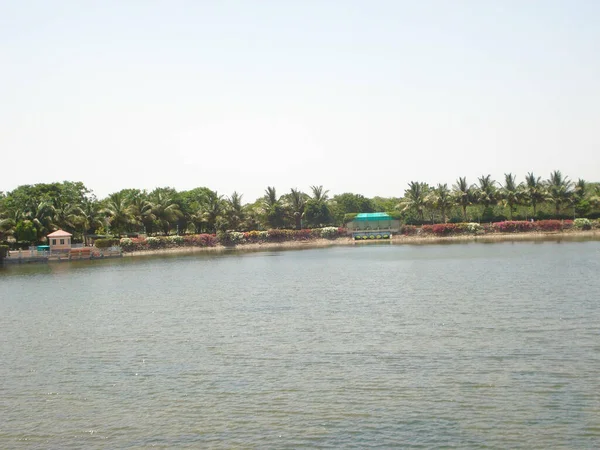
{"x":30,"y":212}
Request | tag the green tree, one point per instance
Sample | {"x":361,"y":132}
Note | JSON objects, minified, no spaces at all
{"x":415,"y":199}
{"x":559,"y":190}
{"x":164,"y":208}
{"x":463,"y":195}
{"x":25,"y":231}
{"x":295,"y":202}
{"x":118,"y":212}
{"x":510,"y":193}
{"x":441,"y":199}
{"x":235,"y":211}
{"x":273,"y":209}
{"x":317,"y":210}
{"x":534,"y":191}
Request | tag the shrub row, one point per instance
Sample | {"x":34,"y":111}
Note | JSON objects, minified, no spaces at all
{"x":228,"y":238}
{"x":448,"y":229}
{"x":3,"y":251}
{"x":105,"y":243}
{"x":509,"y":226}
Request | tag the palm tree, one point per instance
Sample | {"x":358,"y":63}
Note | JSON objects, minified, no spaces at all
{"x":297,"y":203}
{"x":141,"y":211}
{"x":89,"y":218}
{"x":319,"y":194}
{"x":118,"y":212}
{"x":7,"y":228}
{"x":235,"y":210}
{"x":441,"y":199}
{"x":164,"y":209}
{"x":510,"y":193}
{"x":534,"y":190}
{"x":272,"y":208}
{"x":66,"y":215}
{"x":415,"y":199}
{"x":595,"y":197}
{"x":559,"y":190}
{"x":486,"y":191}
{"x":463,"y":194}
{"x":41,"y":215}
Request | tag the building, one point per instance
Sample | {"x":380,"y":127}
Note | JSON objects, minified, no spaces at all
{"x":59,"y":241}
{"x":373,"y":226}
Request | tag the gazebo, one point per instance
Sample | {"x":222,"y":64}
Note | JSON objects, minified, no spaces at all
{"x":377,"y":225}
{"x":60,"y":240}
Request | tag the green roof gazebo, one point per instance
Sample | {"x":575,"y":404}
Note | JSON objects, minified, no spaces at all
{"x":378,"y":225}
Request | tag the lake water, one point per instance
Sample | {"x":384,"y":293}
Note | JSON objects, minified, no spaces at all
{"x":465,"y":345}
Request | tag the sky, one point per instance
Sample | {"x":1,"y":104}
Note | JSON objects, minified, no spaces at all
{"x":357,"y":96}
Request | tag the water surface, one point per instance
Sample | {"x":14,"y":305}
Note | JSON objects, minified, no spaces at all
{"x":469,"y":345}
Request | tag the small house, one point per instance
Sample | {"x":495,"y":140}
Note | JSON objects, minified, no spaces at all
{"x":59,"y":241}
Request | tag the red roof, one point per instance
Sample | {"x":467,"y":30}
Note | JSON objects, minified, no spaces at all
{"x":59,"y":233}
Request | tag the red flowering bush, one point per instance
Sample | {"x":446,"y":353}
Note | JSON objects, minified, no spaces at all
{"x":444,"y":229}
{"x":200,"y":240}
{"x":549,"y":225}
{"x":512,"y":226}
{"x":408,"y":230}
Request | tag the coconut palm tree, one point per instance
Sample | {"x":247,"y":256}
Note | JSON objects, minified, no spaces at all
{"x":235,"y":210}
{"x":534,"y":191}
{"x":415,"y":199}
{"x":296,"y":204}
{"x":319,"y":194}
{"x":463,"y":194}
{"x":89,"y":218}
{"x":164,"y":209}
{"x":118,"y":212}
{"x":66,"y":214}
{"x":559,"y":190}
{"x":141,"y":211}
{"x":272,"y":208}
{"x":41,"y":215}
{"x":441,"y":199}
{"x":510,"y":193}
{"x":486,"y":193}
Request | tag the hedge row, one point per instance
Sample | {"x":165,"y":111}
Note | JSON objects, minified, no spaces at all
{"x":228,"y":238}
{"x":508,"y":226}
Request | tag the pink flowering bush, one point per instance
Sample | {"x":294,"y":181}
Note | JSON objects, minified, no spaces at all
{"x":513,"y":226}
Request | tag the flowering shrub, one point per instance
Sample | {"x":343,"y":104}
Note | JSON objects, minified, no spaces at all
{"x":127,"y":244}
{"x":176,"y":241}
{"x":444,"y":229}
{"x":200,"y":240}
{"x":329,"y":232}
{"x":255,"y":236}
{"x":236,"y":237}
{"x":302,"y":235}
{"x":471,"y":228}
{"x":548,"y":225}
{"x":512,"y":226}
{"x":408,"y":230}
{"x":154,"y":242}
{"x":582,"y":224}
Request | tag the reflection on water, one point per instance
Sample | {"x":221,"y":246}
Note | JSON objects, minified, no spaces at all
{"x":464,"y":345}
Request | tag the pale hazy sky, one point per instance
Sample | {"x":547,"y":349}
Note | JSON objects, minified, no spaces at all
{"x":360,"y":96}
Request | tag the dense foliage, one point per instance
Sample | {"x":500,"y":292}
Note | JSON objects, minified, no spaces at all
{"x":200,"y":215}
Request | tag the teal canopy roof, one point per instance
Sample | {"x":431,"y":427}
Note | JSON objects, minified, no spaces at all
{"x":372,"y":216}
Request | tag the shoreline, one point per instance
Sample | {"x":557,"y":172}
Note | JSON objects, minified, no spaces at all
{"x":396,"y":240}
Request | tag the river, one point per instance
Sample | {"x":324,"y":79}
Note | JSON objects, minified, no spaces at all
{"x":467,"y":345}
